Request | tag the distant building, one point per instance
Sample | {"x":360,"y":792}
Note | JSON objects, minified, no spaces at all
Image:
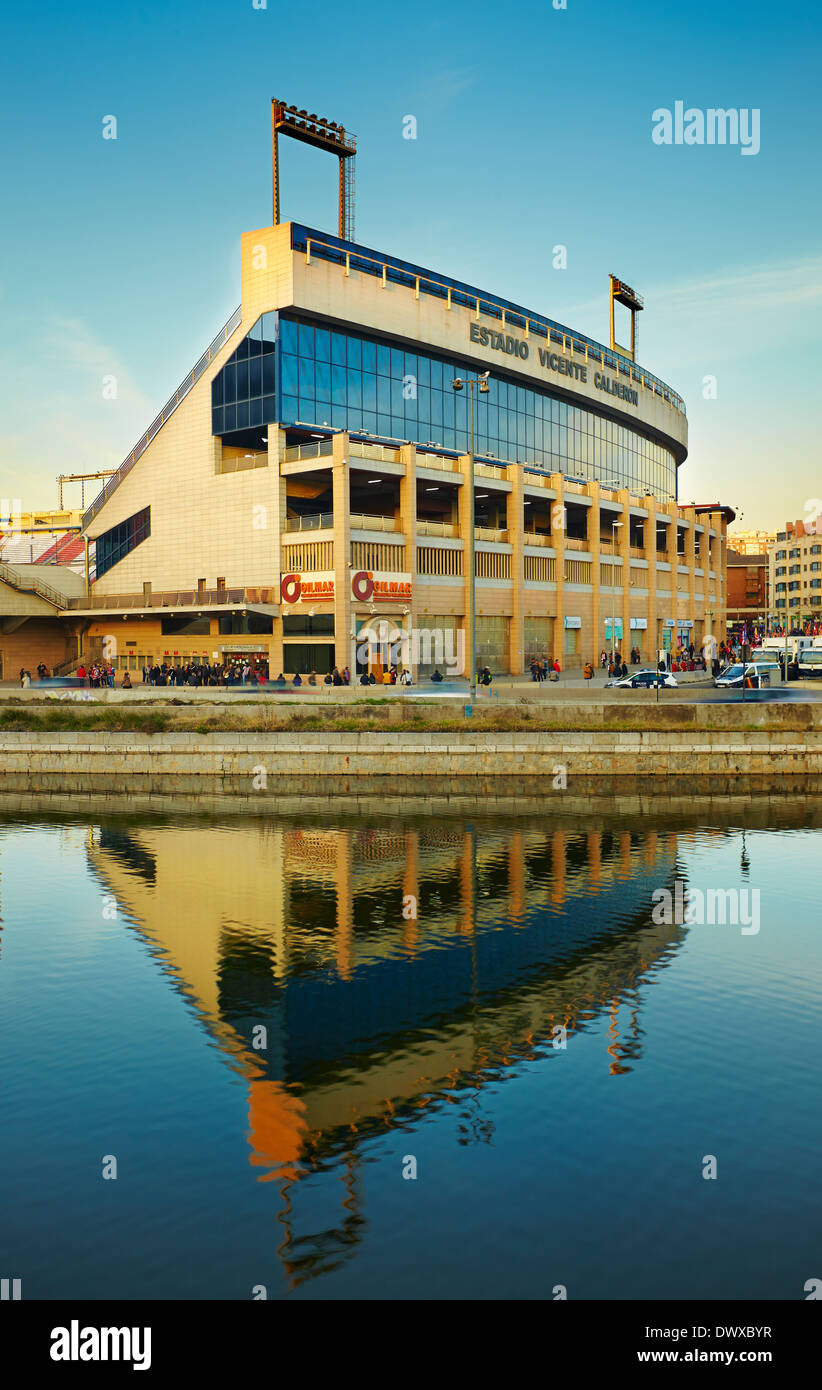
{"x":748,"y":589}
{"x":750,"y":542}
{"x":795,"y":572}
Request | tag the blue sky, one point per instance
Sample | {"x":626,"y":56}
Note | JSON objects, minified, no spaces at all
{"x":534,"y":129}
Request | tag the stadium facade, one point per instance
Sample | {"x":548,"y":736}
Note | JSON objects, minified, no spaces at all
{"x":309,"y":479}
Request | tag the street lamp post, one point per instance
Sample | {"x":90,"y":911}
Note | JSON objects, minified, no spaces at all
{"x":458,"y":383}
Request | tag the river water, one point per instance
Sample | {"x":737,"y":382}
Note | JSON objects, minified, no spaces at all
{"x":328,"y":1051}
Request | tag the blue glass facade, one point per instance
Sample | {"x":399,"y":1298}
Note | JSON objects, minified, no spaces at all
{"x":293,"y":371}
{"x":115,"y":544}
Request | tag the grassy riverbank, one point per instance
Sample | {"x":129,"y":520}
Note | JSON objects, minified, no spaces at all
{"x":51,"y":717}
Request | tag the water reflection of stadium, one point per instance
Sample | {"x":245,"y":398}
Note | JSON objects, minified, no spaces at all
{"x":372,"y":1016}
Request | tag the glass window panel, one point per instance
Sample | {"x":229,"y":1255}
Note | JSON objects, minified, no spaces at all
{"x":230,"y":418}
{"x":269,"y":373}
{"x":291,"y":410}
{"x":369,"y":391}
{"x":369,"y":357}
{"x":242,"y":415}
{"x":217,"y":384}
{"x":338,"y":385}
{"x":289,"y":374}
{"x":288,"y":336}
{"x":354,"y":390}
{"x":383,"y":395}
{"x":322,"y":344}
{"x":307,"y":368}
{"x":242,"y":380}
{"x":383,"y":360}
{"x":306,"y":340}
{"x":424,"y":370}
{"x":354,"y":352}
{"x":255,"y":376}
{"x":255,"y":347}
{"x":269,"y":409}
{"x":397,"y":363}
{"x":322,"y":381}
{"x":255,"y":411}
{"x":339,"y":354}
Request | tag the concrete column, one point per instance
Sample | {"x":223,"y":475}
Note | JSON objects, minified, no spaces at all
{"x":275,"y":523}
{"x":463,"y":513}
{"x":558,"y":537}
{"x":690,"y":560}
{"x":515,"y":525}
{"x":650,"y":555}
{"x":342,"y":552}
{"x":624,"y":546}
{"x":408,"y":525}
{"x":596,"y":643}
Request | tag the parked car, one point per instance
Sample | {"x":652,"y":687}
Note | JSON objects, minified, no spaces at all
{"x":645,"y":680}
{"x":761,"y":673}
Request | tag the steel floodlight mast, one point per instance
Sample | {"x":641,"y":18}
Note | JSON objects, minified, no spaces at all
{"x":324,"y":135}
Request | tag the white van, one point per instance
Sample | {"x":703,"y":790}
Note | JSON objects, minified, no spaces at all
{"x":762,"y":674}
{"x":810,"y":662}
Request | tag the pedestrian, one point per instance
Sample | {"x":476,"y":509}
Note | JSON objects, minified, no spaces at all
{"x":588,"y":671}
{"x":126,"y":681}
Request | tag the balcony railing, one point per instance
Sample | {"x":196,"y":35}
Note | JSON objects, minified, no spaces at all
{"x":382,"y":453}
{"x":490,"y":470}
{"x":321,"y":448}
{"x":427,"y":460}
{"x":537,"y":538}
{"x":361,"y":522}
{"x":178,"y":598}
{"x":437,"y":528}
{"x":490,"y":533}
{"x":571,"y":544}
{"x":321,"y":521}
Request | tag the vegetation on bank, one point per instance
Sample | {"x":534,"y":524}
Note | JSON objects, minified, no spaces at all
{"x":388,"y":715}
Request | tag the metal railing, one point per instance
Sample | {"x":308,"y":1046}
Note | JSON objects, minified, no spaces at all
{"x":429,"y":460}
{"x":490,"y":533}
{"x":445,"y":529}
{"x":30,"y":584}
{"x":380,"y":452}
{"x":165,"y":414}
{"x":537,"y":538}
{"x":321,"y":521}
{"x":491,"y":470}
{"x":177,"y":598}
{"x":360,"y":522}
{"x":322,"y":448}
{"x":454,"y":292}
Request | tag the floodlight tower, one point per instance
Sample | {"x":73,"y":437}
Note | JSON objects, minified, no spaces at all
{"x":325,"y":135}
{"x":632,"y":301}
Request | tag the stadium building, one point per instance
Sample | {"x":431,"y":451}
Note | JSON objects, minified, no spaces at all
{"x":311,"y":477}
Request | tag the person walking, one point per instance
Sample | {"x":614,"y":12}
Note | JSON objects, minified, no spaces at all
{"x":588,"y":672}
